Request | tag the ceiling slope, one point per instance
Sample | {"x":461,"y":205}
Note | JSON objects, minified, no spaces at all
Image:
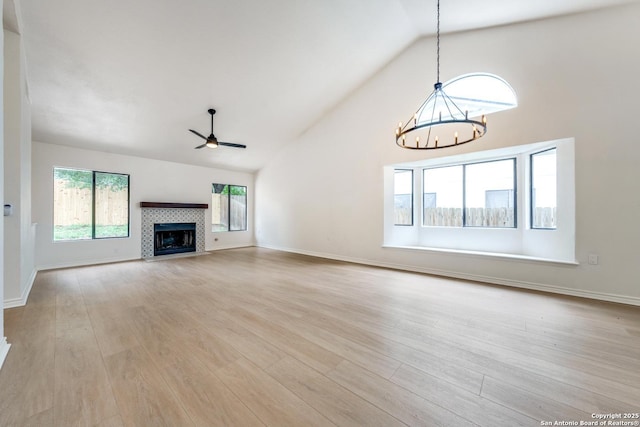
{"x":132,"y":77}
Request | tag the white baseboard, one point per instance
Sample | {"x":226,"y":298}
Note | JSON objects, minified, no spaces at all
{"x":22,"y":299}
{"x":4,"y":350}
{"x":601,"y":296}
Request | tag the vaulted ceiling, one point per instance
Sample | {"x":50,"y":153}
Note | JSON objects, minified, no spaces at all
{"x":132,"y":76}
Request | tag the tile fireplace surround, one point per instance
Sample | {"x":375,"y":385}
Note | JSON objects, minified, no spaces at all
{"x":157,"y":213}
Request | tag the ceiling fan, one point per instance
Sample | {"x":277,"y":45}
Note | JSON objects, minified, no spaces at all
{"x":212,"y":141}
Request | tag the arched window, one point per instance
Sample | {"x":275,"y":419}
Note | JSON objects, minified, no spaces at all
{"x":476,"y":94}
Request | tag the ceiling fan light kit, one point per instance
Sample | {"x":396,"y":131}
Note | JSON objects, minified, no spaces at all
{"x":211,"y":140}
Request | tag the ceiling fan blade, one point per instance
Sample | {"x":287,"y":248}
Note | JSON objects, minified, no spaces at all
{"x":230,"y":144}
{"x":211,"y":140}
{"x":198,"y":133}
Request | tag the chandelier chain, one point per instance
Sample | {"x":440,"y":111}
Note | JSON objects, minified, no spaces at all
{"x":446,"y":115}
{"x":438,"y":44}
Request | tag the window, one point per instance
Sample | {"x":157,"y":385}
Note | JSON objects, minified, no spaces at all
{"x":442,"y":196}
{"x":489,"y":194}
{"x":516,"y":201}
{"x":89,"y":204}
{"x":470,"y":195}
{"x":543,"y":189}
{"x":228,"y":207}
{"x":403,"y":197}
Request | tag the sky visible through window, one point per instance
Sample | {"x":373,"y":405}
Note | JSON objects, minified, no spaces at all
{"x":483,"y":177}
{"x":403,"y":182}
{"x":446,"y":183}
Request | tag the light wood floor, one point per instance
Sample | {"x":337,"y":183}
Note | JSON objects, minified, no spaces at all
{"x":252,"y":337}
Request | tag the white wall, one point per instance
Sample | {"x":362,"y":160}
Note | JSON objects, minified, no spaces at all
{"x":4,"y":346}
{"x":19,"y":271}
{"x":151,"y":181}
{"x":576,"y":76}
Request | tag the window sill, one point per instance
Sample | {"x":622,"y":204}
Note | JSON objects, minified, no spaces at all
{"x":518,"y":257}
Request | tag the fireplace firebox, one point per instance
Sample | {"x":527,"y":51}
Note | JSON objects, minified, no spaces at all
{"x":174,"y":238}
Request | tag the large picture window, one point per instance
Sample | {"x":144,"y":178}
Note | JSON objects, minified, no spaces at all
{"x":89,"y":204}
{"x":470,"y":195}
{"x":228,"y":207}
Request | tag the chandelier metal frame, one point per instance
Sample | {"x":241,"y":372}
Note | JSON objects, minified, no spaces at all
{"x":454,"y":113}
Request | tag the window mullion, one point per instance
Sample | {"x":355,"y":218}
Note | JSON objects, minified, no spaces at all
{"x":464,"y":195}
{"x":531,"y":224}
{"x":413,"y":195}
{"x":228,"y":207}
{"x":515,"y":193}
{"x":128,"y":205}
{"x":93,"y":205}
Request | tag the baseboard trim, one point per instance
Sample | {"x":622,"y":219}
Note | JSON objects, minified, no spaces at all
{"x":22,"y":300}
{"x":4,"y":350}
{"x":601,"y":296}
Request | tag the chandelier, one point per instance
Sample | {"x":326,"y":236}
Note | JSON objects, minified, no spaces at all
{"x":440,"y":122}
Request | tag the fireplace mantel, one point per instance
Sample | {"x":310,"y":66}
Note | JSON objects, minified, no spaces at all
{"x":174,"y":205}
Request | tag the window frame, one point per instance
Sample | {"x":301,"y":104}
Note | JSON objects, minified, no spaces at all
{"x":246,"y":222}
{"x":531,"y":188}
{"x":93,"y":205}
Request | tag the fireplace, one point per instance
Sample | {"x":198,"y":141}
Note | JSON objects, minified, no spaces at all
{"x":174,"y":238}
{"x":175,"y":213}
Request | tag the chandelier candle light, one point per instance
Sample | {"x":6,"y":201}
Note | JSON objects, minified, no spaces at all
{"x":441,"y":116}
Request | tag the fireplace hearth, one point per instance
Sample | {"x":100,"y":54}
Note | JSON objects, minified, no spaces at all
{"x":174,"y":238}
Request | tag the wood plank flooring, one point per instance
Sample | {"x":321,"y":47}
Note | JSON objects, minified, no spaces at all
{"x":256,"y":337}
